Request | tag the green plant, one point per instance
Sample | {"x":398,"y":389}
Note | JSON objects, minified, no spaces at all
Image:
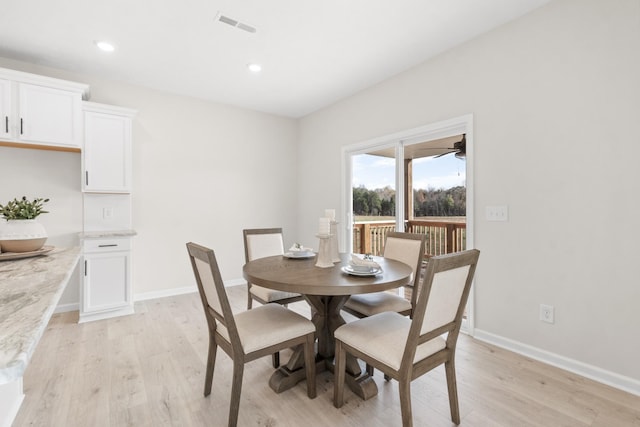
{"x":23,"y":208}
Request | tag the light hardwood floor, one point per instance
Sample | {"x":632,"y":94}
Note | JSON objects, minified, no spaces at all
{"x":147,"y":369}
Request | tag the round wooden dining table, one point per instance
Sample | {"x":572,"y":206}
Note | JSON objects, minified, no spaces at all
{"x":326,"y":290}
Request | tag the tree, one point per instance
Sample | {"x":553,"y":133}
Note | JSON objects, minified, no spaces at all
{"x":375,"y":204}
{"x":447,"y":204}
{"x":360,"y":202}
{"x":389,"y":206}
{"x":429,"y":202}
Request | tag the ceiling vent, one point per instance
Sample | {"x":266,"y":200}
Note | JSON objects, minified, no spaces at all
{"x":235,"y":23}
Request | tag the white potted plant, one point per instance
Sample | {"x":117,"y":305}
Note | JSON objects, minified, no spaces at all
{"x":20,"y":232}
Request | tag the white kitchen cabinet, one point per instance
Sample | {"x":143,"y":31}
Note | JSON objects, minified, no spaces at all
{"x":5,"y":108}
{"x":41,"y":111}
{"x":49,"y":116}
{"x":107,"y":148}
{"x":106,"y":183}
{"x":106,"y":288}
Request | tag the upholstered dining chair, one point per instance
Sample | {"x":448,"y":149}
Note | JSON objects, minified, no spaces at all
{"x":404,"y":348}
{"x":261,"y":243}
{"x":248,"y":335}
{"x":404,"y":247}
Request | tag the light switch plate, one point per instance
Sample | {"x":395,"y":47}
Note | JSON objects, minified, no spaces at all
{"x":106,"y":211}
{"x":497,"y":213}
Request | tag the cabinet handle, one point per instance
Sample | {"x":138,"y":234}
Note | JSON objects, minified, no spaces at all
{"x":6,"y":124}
{"x":86,"y":178}
{"x":85,"y":267}
{"x":20,"y":125}
{"x":108,"y":246}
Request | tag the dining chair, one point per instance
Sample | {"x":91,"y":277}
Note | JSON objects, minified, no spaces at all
{"x":404,"y":247}
{"x":407,"y":348}
{"x":248,"y":335}
{"x":261,"y":243}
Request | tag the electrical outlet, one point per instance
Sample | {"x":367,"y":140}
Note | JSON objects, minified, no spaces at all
{"x":546,"y":313}
{"x":107,"y":213}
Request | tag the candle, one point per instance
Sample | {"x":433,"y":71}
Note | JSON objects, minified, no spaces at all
{"x":324,"y":226}
{"x":330,"y":213}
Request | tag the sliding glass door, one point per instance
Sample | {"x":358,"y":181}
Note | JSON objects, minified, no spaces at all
{"x":415,"y":181}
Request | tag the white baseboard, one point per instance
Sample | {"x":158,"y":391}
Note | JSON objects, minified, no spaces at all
{"x":63,"y":308}
{"x":180,"y":291}
{"x":595,"y":373}
{"x":165,"y":293}
{"x":234,"y":282}
{"x":75,"y":306}
{"x":88,"y":317}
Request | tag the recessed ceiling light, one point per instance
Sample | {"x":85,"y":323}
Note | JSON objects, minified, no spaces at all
{"x":105,"y":46}
{"x":254,"y":68}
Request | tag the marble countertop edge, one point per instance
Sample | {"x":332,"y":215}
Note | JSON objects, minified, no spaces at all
{"x":101,"y":234}
{"x":25,"y":316}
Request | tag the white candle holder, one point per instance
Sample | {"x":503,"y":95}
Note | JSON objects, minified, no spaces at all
{"x":324,"y":252}
{"x":333,"y":242}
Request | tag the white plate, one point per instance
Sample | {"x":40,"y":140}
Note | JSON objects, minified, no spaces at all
{"x":300,"y":254}
{"x":347,"y":269}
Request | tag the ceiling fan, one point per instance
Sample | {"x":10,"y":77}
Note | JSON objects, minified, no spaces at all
{"x":459,"y":148}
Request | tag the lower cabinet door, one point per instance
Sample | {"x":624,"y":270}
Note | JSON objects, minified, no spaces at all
{"x":106,"y":281}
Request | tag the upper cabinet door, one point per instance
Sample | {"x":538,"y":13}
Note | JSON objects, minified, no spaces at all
{"x":5,"y":108}
{"x":107,"y":153}
{"x":49,"y":116}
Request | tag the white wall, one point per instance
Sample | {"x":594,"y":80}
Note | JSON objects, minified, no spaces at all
{"x":556,"y":102}
{"x":202,"y":172}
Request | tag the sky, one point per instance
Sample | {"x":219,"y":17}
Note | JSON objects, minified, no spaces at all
{"x":375,"y":172}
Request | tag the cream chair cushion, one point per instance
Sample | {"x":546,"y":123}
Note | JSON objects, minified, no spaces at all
{"x":208,"y":285}
{"x":377,"y":302}
{"x":384,"y":337}
{"x":270,"y":295}
{"x":404,"y":250}
{"x":267,"y":325}
{"x":444,"y":299}
{"x":264,"y":245}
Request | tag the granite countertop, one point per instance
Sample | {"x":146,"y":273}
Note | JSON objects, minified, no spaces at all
{"x":30,"y":289}
{"x":107,"y":233}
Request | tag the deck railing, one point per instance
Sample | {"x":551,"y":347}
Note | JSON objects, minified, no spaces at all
{"x":443,"y":237}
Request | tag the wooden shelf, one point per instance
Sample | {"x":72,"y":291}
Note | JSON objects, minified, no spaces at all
{"x":39,"y":146}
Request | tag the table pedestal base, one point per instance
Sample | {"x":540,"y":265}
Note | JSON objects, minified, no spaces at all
{"x":326,"y":317}
{"x":361,"y":384}
{"x":284,"y":378}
